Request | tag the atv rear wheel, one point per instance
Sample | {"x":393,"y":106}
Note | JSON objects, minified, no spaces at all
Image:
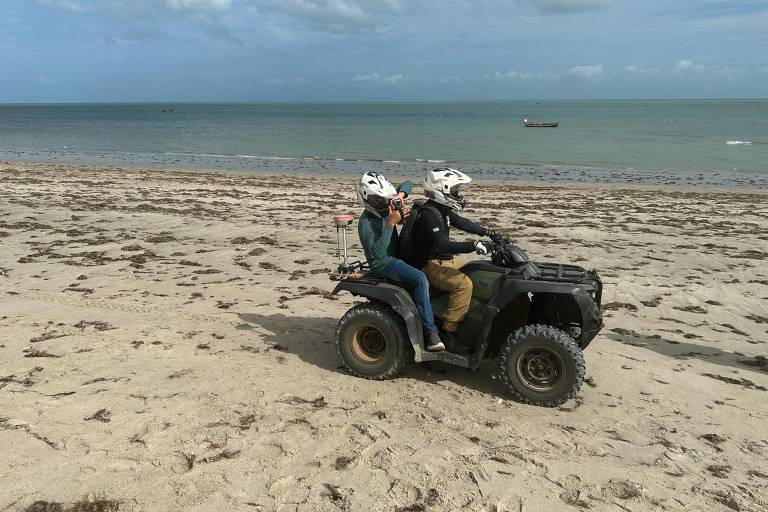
{"x":372,"y":341}
{"x":541,"y":365}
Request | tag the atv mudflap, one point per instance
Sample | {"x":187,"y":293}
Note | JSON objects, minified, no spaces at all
{"x":402,"y":303}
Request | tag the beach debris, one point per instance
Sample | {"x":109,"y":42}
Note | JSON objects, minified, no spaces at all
{"x":760,"y":362}
{"x":85,"y":291}
{"x":573,"y":497}
{"x":246,"y":421}
{"x":165,"y":236}
{"x":622,"y":489}
{"x":752,"y":254}
{"x":720,"y":470}
{"x":332,"y":493}
{"x":89,"y":504}
{"x":714,"y":440}
{"x":38,"y":352}
{"x":96,"y":324}
{"x":757,"y":319}
{"x":227,"y":453}
{"x":691,"y":309}
{"x":102,"y":415}
{"x":741,"y":382}
{"x":267,"y":240}
{"x":297,"y":400}
{"x":651,"y":303}
{"x":343,"y":462}
{"x":4,"y":272}
{"x":613,"y":306}
{"x":50,"y":335}
{"x":322,"y":293}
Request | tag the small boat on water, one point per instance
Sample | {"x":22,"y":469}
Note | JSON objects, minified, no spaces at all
{"x":540,"y":124}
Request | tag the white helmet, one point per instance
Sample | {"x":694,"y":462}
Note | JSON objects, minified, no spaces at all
{"x":374,"y":193}
{"x":444,"y":186}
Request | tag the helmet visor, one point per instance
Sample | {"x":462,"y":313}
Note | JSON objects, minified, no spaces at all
{"x":456,"y":191}
{"x":378,"y":203}
{"x":456,"y":195}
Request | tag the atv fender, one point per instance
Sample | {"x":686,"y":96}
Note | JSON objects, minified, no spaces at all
{"x":511,"y":290}
{"x":399,"y":300}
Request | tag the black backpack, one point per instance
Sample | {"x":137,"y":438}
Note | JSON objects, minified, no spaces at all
{"x":409,"y":249}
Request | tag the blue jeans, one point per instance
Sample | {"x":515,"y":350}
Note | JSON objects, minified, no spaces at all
{"x":416,"y":281}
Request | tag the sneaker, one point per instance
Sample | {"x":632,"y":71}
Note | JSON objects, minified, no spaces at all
{"x":434,"y":343}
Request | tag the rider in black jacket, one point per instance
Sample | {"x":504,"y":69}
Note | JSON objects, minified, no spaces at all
{"x":433,"y":229}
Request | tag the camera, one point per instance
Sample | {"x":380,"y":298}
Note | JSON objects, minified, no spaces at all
{"x":396,"y":204}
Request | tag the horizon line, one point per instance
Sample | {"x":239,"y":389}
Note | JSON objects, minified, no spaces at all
{"x":243,"y":102}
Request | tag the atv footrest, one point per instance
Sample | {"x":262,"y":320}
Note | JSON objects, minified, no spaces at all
{"x":448,"y":357}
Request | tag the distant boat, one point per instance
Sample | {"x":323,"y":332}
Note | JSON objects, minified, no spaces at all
{"x":540,"y":124}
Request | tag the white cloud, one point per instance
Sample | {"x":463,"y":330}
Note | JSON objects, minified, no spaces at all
{"x":137,"y":6}
{"x":635,"y":70}
{"x":379,"y":78}
{"x":513,"y":75}
{"x":688,"y":66}
{"x":214,"y":5}
{"x":590,"y":71}
{"x":66,"y":5}
{"x":334,"y":15}
{"x":568,"y":6}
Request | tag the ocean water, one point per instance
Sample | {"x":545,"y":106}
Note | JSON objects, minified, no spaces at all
{"x":711,"y":142}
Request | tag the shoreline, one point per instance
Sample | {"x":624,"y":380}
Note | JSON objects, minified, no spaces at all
{"x":559,"y":184}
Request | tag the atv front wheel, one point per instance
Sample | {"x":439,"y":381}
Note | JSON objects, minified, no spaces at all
{"x":541,"y":365}
{"x":372,"y":341}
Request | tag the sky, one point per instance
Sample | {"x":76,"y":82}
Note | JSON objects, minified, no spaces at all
{"x":385,"y":50}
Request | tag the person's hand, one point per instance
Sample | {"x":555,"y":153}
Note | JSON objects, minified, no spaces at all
{"x":480,"y":248}
{"x":394,"y":218}
{"x":401,"y":195}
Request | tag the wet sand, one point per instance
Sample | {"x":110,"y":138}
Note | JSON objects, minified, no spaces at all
{"x":167,"y":343}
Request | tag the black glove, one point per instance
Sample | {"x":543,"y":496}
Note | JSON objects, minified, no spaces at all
{"x":497,"y":237}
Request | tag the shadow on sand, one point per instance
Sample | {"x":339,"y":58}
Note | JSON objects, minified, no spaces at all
{"x":312,"y":339}
{"x":682,"y":351}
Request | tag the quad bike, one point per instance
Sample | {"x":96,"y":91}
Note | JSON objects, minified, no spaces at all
{"x":534,"y":318}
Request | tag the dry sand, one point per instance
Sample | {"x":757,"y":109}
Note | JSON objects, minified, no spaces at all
{"x":192,"y":366}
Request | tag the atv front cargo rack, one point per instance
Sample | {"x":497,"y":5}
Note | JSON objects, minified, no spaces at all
{"x":561,"y":272}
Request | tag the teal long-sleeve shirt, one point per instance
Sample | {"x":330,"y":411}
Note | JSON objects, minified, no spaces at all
{"x":378,"y":239}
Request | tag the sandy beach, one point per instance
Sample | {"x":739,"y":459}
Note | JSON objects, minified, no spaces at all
{"x":167,"y":343}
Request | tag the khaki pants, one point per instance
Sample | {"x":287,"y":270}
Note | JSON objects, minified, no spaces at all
{"x":445,"y":275}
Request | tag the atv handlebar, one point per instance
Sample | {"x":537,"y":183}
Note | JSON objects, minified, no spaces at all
{"x":507,"y":254}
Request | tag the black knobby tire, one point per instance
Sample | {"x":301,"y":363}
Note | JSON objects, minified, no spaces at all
{"x":541,"y":365}
{"x":372,"y":341}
